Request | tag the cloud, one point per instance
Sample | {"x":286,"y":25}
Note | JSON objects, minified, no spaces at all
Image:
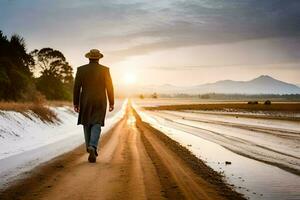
{"x":290,"y":66}
{"x":189,"y":23}
{"x":126,"y":28}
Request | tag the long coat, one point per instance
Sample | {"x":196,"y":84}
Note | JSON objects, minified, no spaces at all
{"x":92,"y":83}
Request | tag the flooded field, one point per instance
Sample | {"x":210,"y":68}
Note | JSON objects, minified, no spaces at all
{"x":259,"y":156}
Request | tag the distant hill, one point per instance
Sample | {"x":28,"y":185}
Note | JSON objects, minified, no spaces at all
{"x":261,"y":85}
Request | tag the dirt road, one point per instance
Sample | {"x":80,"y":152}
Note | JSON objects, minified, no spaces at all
{"x":135,"y":162}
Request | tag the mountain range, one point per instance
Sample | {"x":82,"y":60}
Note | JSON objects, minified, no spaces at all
{"x":261,"y":85}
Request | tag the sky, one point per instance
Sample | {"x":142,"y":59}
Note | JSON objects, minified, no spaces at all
{"x":166,"y":41}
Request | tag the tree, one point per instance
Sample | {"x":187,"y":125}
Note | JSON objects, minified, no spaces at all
{"x":56,"y":80}
{"x":24,"y":60}
{"x":15,"y":64}
{"x":52,"y":62}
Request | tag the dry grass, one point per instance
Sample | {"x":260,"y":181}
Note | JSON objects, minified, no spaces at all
{"x":280,"y":107}
{"x":59,"y":103}
{"x":15,"y":106}
{"x":39,"y":109}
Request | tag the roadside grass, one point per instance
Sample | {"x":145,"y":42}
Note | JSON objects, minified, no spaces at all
{"x":279,"y":107}
{"x":59,"y":103}
{"x":40,"y":109}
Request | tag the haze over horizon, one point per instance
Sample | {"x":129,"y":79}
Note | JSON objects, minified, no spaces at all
{"x":221,"y":80}
{"x":167,"y":42}
{"x":263,"y":84}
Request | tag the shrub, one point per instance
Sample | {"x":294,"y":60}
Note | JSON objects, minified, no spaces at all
{"x":268,"y":102}
{"x":252,"y":102}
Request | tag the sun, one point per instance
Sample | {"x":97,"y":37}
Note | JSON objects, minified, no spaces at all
{"x":129,"y":78}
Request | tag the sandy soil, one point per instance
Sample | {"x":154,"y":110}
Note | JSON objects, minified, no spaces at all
{"x":135,"y":162}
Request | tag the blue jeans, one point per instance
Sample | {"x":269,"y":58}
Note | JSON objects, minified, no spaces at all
{"x":92,"y":135}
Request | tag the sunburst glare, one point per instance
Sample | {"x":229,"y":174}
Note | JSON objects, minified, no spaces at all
{"x":129,"y":78}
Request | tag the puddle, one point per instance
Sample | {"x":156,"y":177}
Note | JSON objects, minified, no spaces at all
{"x":252,"y":178}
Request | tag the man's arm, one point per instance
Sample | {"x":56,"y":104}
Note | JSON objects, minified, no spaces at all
{"x":110,"y":90}
{"x":76,"y":92}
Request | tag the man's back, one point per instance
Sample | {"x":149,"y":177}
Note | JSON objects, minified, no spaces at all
{"x":92,"y":82}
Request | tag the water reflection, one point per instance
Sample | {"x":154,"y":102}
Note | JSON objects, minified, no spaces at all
{"x":252,"y":178}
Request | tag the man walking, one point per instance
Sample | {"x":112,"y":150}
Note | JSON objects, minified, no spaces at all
{"x":92,"y":86}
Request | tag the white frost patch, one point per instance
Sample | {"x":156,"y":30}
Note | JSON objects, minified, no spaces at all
{"x":20,"y":133}
{"x":26,"y":142}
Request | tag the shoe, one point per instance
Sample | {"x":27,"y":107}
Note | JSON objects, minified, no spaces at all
{"x":92,"y":157}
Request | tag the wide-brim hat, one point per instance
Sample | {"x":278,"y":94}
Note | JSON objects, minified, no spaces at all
{"x":94,"y":54}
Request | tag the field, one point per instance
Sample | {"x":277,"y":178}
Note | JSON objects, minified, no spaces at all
{"x":135,"y":162}
{"x":157,"y":148}
{"x":232,"y":106}
{"x":259,"y":143}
